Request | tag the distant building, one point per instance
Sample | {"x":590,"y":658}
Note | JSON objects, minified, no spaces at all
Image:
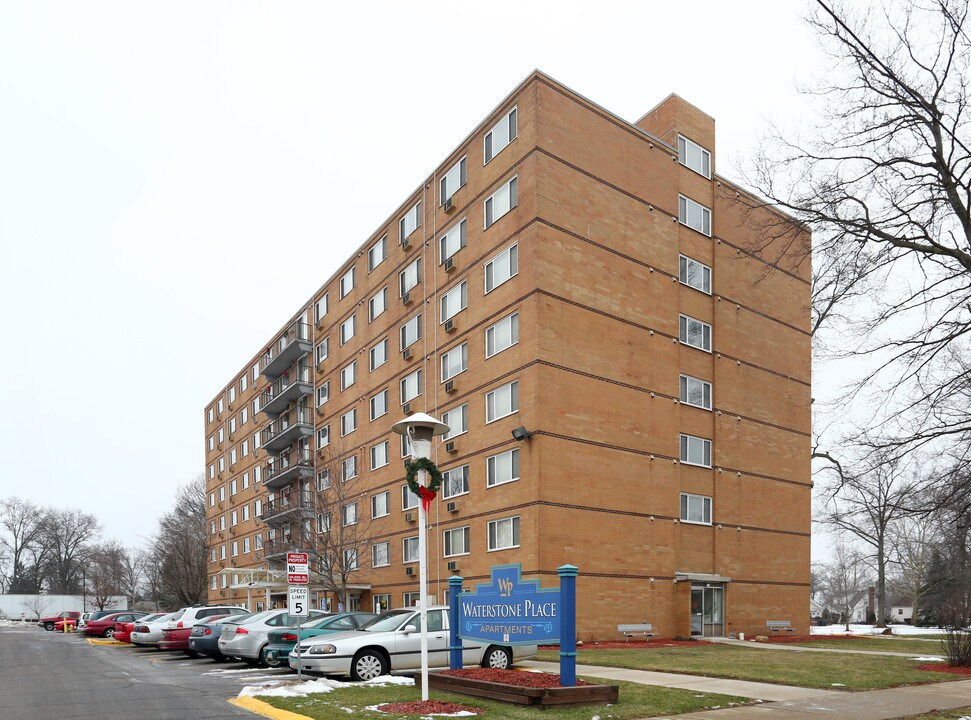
{"x":902,"y":610}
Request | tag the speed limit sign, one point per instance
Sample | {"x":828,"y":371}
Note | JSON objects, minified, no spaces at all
{"x":298,"y":600}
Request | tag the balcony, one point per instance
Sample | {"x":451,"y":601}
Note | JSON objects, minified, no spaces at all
{"x":285,"y":509}
{"x":293,"y":344}
{"x":293,"y":424}
{"x":292,"y":385}
{"x":279,"y":547}
{"x":288,"y":466}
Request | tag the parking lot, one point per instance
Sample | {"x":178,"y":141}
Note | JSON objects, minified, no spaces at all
{"x":51,"y":675}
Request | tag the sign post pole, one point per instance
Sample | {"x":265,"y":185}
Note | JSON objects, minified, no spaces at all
{"x":454,"y":623}
{"x":568,"y":624}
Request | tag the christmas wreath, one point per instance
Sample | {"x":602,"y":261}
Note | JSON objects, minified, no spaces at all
{"x":428,"y":492}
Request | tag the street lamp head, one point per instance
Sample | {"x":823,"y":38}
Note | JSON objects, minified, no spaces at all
{"x":420,"y":428}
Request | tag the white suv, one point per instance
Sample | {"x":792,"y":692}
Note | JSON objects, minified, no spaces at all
{"x":189,"y":616}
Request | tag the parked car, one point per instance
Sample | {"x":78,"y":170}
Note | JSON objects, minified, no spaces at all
{"x":147,"y":634}
{"x":177,"y":638}
{"x":189,"y":616}
{"x":123,"y":629}
{"x":105,"y":625}
{"x":204,"y":637}
{"x":85,"y":616}
{"x":48,"y":623}
{"x":281,"y":642}
{"x":248,"y":638}
{"x":391,"y":642}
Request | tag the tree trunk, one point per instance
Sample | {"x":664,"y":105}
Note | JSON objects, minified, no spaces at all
{"x":881,"y":584}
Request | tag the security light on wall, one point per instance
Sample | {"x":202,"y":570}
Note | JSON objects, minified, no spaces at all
{"x":521,"y":433}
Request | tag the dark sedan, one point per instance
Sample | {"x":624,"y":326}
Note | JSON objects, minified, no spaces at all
{"x":204,"y":638}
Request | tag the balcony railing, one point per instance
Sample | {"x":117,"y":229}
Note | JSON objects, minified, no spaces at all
{"x":293,"y":343}
{"x":295,"y":423}
{"x":292,"y":385}
{"x":291,"y":464}
{"x":294,"y":542}
{"x":285,"y":508}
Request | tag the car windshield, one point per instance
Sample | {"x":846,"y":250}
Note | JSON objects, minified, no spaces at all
{"x":177,"y":614}
{"x":389,"y":620}
{"x":230,"y":619}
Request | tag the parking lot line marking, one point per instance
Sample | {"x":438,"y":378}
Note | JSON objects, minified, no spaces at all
{"x":265,"y":709}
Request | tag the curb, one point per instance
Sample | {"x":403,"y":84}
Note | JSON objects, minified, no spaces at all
{"x":93,"y":641}
{"x":265,"y":709}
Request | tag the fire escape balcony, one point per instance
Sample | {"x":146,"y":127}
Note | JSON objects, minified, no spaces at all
{"x":292,"y":385}
{"x":292,"y":424}
{"x":283,"y":510}
{"x":292,"y":344}
{"x":290,"y":465}
{"x":279,"y":547}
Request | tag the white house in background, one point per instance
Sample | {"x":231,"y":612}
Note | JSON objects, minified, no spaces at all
{"x":902,"y":610}
{"x":815,"y":609}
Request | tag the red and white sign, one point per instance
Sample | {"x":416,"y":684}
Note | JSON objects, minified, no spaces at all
{"x":298,"y":571}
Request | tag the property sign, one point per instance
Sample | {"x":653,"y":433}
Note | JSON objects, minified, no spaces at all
{"x":298,"y":572}
{"x":510,"y":610}
{"x":298,"y":601}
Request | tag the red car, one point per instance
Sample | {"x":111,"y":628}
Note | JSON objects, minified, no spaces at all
{"x":123,"y":630}
{"x":177,"y":638}
{"x":105,"y":627}
{"x":50,"y":623}
{"x":72,"y":625}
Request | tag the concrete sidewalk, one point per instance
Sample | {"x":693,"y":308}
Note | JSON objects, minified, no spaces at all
{"x":796,"y":648}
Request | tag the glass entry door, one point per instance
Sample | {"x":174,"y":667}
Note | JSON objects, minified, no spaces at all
{"x":708,"y":610}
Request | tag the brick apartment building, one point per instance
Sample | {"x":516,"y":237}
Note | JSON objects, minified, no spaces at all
{"x":590,"y":281}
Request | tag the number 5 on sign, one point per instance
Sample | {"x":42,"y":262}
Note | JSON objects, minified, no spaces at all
{"x":298,"y":601}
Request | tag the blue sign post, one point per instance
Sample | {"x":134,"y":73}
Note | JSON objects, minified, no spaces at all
{"x":454,"y":641}
{"x":568,"y":638}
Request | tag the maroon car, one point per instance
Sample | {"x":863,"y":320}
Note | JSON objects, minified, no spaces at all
{"x":177,"y":638}
{"x":105,"y":627}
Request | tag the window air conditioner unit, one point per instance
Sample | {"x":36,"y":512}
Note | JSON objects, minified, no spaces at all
{"x":449,"y":325}
{"x":405,"y":243}
{"x":453,"y":565}
{"x":406,"y":298}
{"x":449,"y":265}
{"x":406,"y":353}
{"x":450,"y":386}
{"x":409,"y":570}
{"x":409,"y":517}
{"x":450,"y":446}
{"x":448,"y":205}
{"x":406,"y":408}
{"x":452,"y":506}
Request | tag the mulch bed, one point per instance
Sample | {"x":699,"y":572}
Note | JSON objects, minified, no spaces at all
{"x":944,"y":668}
{"x":511,"y":677}
{"x":633,"y":645}
{"x":428,"y":707}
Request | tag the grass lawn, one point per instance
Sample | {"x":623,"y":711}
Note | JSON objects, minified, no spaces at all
{"x":889,"y":644}
{"x":818,"y":670}
{"x":955,"y":714}
{"x":636,"y":701}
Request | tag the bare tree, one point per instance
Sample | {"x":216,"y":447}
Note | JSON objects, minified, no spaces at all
{"x":181,"y":547}
{"x":846,"y":576}
{"x":37,"y":605}
{"x":151,"y":564}
{"x":65,"y":537}
{"x":913,"y":540}
{"x":21,"y":522}
{"x":130,"y":574}
{"x":105,"y":561}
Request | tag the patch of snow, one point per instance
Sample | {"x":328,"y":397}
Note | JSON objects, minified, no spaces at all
{"x":929,"y":659}
{"x":873,"y":630}
{"x":837,"y":684}
{"x":321,"y":685}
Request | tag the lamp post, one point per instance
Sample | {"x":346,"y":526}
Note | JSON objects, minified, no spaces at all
{"x":420,"y":428}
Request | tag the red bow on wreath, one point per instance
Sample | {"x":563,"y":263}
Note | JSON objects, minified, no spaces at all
{"x":426,"y":496}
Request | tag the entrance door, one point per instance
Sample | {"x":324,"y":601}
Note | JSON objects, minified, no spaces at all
{"x":708,"y":610}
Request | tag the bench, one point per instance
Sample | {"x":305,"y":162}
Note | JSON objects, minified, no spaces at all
{"x":779,"y":626}
{"x":642,"y":629}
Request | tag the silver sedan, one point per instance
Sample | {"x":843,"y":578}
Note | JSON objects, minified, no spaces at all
{"x":392,"y":642}
{"x":248,"y":638}
{"x":150,"y":633}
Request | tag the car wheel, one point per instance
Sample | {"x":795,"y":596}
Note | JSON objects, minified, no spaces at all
{"x":48,"y":626}
{"x":108,"y":633}
{"x":269,"y":662}
{"x":252,"y":662}
{"x":368,"y":664}
{"x":497,"y":658}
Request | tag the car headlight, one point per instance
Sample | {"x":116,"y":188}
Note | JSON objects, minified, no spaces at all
{"x":322,"y":650}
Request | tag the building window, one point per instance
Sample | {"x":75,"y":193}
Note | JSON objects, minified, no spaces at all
{"x":258,"y":541}
{"x":501,"y":201}
{"x":323,"y":350}
{"x":411,"y":599}
{"x":381,"y":603}
{"x":410,"y":222}
{"x":379,"y":455}
{"x":692,"y":155}
{"x":350,"y":559}
{"x":257,"y":508}
{"x":232,"y":426}
{"x":347,"y":282}
{"x":380,"y":504}
{"x":209,"y":415}
{"x":452,"y":180}
{"x":502,"y":267}
{"x":504,"y":533}
{"x":222,"y":493}
{"x":696,"y":392}
{"x":232,"y":394}
{"x":695,"y":215}
{"x":455,"y":482}
{"x":212,"y":471}
{"x":212,"y":443}
{"x":502,"y":468}
{"x":212,"y":499}
{"x":348,"y":376}
{"x":222,"y":556}
{"x":323,"y":393}
{"x":349,"y":422}
{"x":256,"y":407}
{"x":695,"y":509}
{"x":457,"y":420}
{"x":212,"y":580}
{"x":323,"y":522}
{"x":410,"y":386}
{"x":377,"y":304}
{"x":246,"y":545}
{"x":242,"y":384}
{"x":455,"y":301}
{"x":452,"y":241}
{"x":244,"y":416}
{"x":244,"y":448}
{"x":245,"y":480}
{"x":320,"y":309}
{"x":379,"y":405}
{"x":380,"y":555}
{"x":379,"y":354}
{"x":232,"y":488}
{"x":502,"y":401}
{"x":349,"y":514}
{"x":347,"y":329}
{"x":257,"y":473}
{"x":409,"y":278}
{"x":212,"y":528}
{"x":234,"y":548}
{"x":323,"y":436}
{"x":245,"y":513}
{"x":219,"y":406}
{"x":323,"y":479}
{"x":376,"y":253}
{"x":503,"y":335}
{"x":221,"y":464}
{"x":694,"y":274}
{"x":220,"y":435}
{"x":695,"y":451}
{"x":455,"y":361}
{"x":409,"y":550}
{"x":411,"y":331}
{"x":409,"y":501}
{"x":695,"y":333}
{"x":349,"y":468}
{"x":233,"y":518}
{"x":457,"y":541}
{"x":501,"y":134}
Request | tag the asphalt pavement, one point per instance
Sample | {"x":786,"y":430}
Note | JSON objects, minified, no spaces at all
{"x":53,"y":676}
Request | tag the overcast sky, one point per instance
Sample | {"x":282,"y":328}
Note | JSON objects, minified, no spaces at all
{"x":177,"y":178}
